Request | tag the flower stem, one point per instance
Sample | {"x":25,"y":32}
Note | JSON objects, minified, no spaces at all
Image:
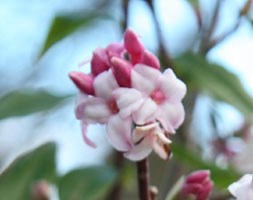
{"x":143,"y":179}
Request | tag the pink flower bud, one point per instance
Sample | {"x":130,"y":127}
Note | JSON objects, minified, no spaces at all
{"x":115,"y":49}
{"x":150,"y":59}
{"x":83,"y":81}
{"x":197,"y":185}
{"x":133,"y":46}
{"x":122,"y":71}
{"x":100,"y":61}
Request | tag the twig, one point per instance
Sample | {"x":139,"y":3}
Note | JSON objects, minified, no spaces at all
{"x":163,"y":53}
{"x":143,"y":179}
{"x":153,"y":192}
{"x":118,"y":163}
{"x":244,"y":11}
{"x":208,"y":34}
{"x":125,"y":13}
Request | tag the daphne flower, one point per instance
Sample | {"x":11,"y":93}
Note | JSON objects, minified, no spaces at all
{"x":243,"y":189}
{"x":161,"y":95}
{"x":102,"y":109}
{"x":126,"y":91}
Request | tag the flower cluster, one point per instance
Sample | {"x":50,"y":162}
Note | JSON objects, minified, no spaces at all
{"x":127,"y":92}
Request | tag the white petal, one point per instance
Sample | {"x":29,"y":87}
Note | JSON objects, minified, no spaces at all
{"x":173,"y":88}
{"x":159,"y":149}
{"x":146,"y":112}
{"x":242,"y":187}
{"x":119,"y":133}
{"x":85,"y":137}
{"x":144,"y":78}
{"x":128,"y":100}
{"x":171,"y":115}
{"x":104,"y":84}
{"x":140,"y":151}
{"x":141,"y":131}
{"x":93,"y":110}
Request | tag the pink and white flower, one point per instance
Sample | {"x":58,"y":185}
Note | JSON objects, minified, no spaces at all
{"x":139,"y":105}
{"x":103,"y":109}
{"x":243,"y":188}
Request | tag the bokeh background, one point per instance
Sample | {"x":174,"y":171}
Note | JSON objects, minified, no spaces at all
{"x":208,"y":44}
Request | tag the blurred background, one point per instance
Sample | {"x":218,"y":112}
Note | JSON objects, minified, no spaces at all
{"x":208,"y":44}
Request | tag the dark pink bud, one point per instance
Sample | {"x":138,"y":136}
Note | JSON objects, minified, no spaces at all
{"x":198,"y":185}
{"x":122,"y":71}
{"x":133,"y":46}
{"x":100,"y":61}
{"x":150,"y":60}
{"x":83,"y":81}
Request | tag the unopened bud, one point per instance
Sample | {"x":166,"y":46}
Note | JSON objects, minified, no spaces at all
{"x":99,"y":62}
{"x":122,"y":71}
{"x":197,"y":185}
{"x":150,"y":60}
{"x":133,"y":45}
{"x":83,"y":81}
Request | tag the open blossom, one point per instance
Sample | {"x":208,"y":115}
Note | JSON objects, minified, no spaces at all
{"x":126,"y":91}
{"x":243,"y":188}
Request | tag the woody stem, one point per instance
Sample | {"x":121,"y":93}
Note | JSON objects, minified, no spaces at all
{"x":143,"y":179}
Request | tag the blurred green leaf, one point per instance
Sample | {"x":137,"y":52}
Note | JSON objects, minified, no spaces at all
{"x":218,"y":81}
{"x":64,"y":25}
{"x":24,"y":102}
{"x":17,"y":179}
{"x":88,"y":184}
{"x":195,"y":3}
{"x":221,"y":177}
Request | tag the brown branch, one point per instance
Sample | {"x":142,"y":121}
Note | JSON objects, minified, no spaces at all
{"x":208,"y":34}
{"x":124,"y":22}
{"x":243,"y":11}
{"x":163,"y":53}
{"x":143,"y":179}
{"x":153,"y":192}
{"x":118,"y":163}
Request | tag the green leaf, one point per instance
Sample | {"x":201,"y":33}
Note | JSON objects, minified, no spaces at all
{"x":64,"y":25}
{"x":17,"y":179}
{"x":221,"y":177}
{"x":24,"y":102}
{"x":218,"y":81}
{"x":88,"y":184}
{"x":194,"y":3}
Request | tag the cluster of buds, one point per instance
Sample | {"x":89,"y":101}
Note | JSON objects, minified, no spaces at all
{"x":140,"y":106}
{"x":197,"y":186}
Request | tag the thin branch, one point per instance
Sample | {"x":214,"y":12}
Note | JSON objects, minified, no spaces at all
{"x":118,"y":163}
{"x":153,"y":192}
{"x":163,"y":53}
{"x":208,"y":34}
{"x":224,"y":36}
{"x":125,"y":13}
{"x":143,"y":179}
{"x":243,"y":11}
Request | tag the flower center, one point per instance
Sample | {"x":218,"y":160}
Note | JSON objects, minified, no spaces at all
{"x":113,"y":106}
{"x":158,"y":96}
